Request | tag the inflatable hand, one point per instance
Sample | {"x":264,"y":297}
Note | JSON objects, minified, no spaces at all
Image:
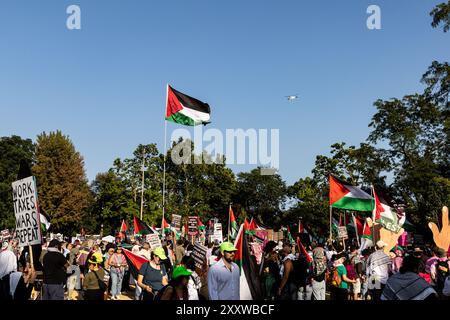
{"x":441,"y":238}
{"x":390,"y":238}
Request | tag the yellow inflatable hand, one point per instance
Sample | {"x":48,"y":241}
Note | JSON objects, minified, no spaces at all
{"x":441,"y":238}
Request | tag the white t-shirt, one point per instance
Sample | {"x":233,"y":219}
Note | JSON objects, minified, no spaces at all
{"x":8,"y":262}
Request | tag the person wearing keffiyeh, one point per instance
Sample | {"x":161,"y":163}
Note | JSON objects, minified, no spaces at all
{"x":407,"y":284}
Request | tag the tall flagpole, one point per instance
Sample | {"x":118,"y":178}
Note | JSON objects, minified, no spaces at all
{"x":142,"y":185}
{"x":229,"y":213}
{"x":331,"y":232}
{"x":165,"y":151}
{"x":356,"y":229}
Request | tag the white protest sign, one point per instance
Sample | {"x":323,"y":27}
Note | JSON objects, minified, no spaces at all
{"x":176,"y":221}
{"x":28,"y":227}
{"x":342,"y":233}
{"x":217,"y":235}
{"x":153,"y":240}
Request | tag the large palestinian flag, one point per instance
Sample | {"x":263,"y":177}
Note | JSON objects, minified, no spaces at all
{"x":345,"y":196}
{"x":186,"y":110}
{"x":134,"y":261}
{"x":250,"y":283}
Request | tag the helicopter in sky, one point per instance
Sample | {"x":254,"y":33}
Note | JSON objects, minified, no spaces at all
{"x":292,"y":97}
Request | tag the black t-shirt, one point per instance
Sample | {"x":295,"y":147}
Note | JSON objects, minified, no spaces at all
{"x":54,"y":270}
{"x":152,"y":277}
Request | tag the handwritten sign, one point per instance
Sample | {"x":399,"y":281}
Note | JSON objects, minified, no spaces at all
{"x":199,"y":255}
{"x":176,"y":221}
{"x":192,"y":225}
{"x":28,"y":227}
{"x":342,"y":233}
{"x":153,"y":240}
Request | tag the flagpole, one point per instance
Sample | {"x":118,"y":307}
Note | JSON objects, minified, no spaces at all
{"x":142,"y":184}
{"x":165,"y":151}
{"x":356,"y":229}
{"x":229,"y":213}
{"x":331,"y":232}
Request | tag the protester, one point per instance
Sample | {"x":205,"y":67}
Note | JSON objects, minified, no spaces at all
{"x":145,"y":251}
{"x":8,"y":261}
{"x":152,"y":275}
{"x":319,"y":269}
{"x":440,"y":271}
{"x":378,"y":271}
{"x":195,"y":283}
{"x":407,"y":284}
{"x":179,"y":252}
{"x":224,"y":276}
{"x":55,"y":266}
{"x":93,"y":285}
{"x":339,"y":291}
{"x":271,"y":271}
{"x":117,"y":263}
{"x":287,"y":290}
{"x":177,"y":289}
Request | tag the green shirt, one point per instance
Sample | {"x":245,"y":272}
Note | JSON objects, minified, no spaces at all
{"x":342,"y":271}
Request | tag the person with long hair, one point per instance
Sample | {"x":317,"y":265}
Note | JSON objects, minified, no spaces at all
{"x":117,"y":263}
{"x":177,"y":289}
{"x":152,"y":275}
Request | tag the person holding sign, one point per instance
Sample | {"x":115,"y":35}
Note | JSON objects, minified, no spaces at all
{"x":152,"y":275}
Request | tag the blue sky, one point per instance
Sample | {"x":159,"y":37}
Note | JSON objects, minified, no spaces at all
{"x":104,"y":85}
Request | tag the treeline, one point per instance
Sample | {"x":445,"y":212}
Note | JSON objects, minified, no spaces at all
{"x":415,"y":130}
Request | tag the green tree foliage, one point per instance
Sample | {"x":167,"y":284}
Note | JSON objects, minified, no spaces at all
{"x":262,"y":196}
{"x":62,"y":185}
{"x":12,"y":150}
{"x":441,"y":15}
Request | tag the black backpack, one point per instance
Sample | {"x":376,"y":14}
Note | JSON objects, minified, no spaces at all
{"x":101,"y":284}
{"x":442,"y":272}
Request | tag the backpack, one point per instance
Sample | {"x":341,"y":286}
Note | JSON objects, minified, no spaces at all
{"x":299,"y":274}
{"x":333,"y":278}
{"x":102,"y":285}
{"x":442,"y":272}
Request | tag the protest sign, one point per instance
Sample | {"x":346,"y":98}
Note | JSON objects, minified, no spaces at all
{"x":217,"y":235}
{"x":153,"y":240}
{"x":342,"y":233}
{"x":192,"y":225}
{"x":176,"y":221}
{"x":28,"y":227}
{"x":199,"y":255}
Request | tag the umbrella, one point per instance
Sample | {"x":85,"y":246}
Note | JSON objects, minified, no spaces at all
{"x":109,"y":239}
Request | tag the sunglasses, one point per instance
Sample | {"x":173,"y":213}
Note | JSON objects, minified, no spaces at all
{"x":230,"y":252}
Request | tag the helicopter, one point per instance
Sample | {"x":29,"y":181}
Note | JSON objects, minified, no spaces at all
{"x":292,"y":97}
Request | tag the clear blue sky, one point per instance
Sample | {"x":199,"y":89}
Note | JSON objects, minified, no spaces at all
{"x":104,"y":85}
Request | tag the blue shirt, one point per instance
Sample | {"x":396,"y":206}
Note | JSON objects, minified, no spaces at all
{"x":223,"y":284}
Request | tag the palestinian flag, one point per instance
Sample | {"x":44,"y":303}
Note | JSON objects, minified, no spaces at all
{"x":141,"y":228}
{"x":201,"y":226}
{"x":134,"y":261}
{"x":183,"y":109}
{"x":301,"y":248}
{"x":367,"y":231}
{"x":123,"y":226}
{"x":233,"y":228}
{"x":345,"y":196}
{"x":290,"y":236}
{"x":250,"y":284}
{"x":386,"y":215}
{"x":301,"y":228}
{"x":45,"y":222}
{"x":165,"y":227}
{"x":249,"y":227}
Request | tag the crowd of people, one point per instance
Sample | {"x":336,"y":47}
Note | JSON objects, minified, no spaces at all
{"x":101,"y":271}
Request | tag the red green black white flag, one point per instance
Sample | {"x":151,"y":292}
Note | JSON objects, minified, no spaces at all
{"x":183,"y":109}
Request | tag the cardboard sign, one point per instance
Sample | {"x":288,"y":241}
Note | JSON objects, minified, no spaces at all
{"x":28,"y":227}
{"x":176,"y":221}
{"x":342,"y":233}
{"x":153,"y":240}
{"x":218,"y":232}
{"x":192,"y":225}
{"x":199,"y":255}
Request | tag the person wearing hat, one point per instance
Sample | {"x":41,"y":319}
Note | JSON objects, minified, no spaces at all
{"x":54,"y":270}
{"x":93,"y":285}
{"x":440,"y":270}
{"x":117,"y":264}
{"x":379,"y":266}
{"x":224,"y":276}
{"x":177,"y":289}
{"x":152,"y":275}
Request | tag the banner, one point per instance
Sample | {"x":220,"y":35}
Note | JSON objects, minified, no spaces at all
{"x":153,"y":240}
{"x":176,"y":221}
{"x":199,"y":255}
{"x":192,"y":225}
{"x":28,"y":227}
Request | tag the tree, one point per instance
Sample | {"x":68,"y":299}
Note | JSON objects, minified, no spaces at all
{"x":61,"y":181}
{"x":262,"y":196}
{"x":12,"y":150}
{"x":441,"y":15}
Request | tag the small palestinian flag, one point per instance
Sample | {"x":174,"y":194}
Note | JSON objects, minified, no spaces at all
{"x":201,"y":226}
{"x":386,"y":215}
{"x":165,"y":227}
{"x":123,"y":226}
{"x":291,"y":240}
{"x":301,"y":248}
{"x":249,"y":227}
{"x":140,"y":227}
{"x":367,"y":232}
{"x":233,"y":225}
{"x":45,"y":222}
{"x":183,"y":109}
{"x":345,"y":196}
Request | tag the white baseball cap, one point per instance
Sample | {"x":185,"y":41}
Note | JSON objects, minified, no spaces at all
{"x":381,"y":244}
